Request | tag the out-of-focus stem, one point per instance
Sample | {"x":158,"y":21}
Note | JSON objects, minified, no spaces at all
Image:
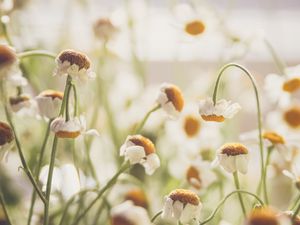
{"x":142,"y":123}
{"x":237,"y":185}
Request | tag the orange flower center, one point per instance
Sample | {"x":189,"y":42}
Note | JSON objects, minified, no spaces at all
{"x":7,"y":56}
{"x":138,"y":197}
{"x":274,"y":138}
{"x":292,"y":117}
{"x":67,"y":134}
{"x":52,"y":94}
{"x":18,"y":99}
{"x":144,"y":142}
{"x":195,"y":27}
{"x":262,"y":216}
{"x":291,"y":85}
{"x":184,"y":196}
{"x":120,"y":220}
{"x":73,"y":57}
{"x":193,"y":174}
{"x":175,"y":96}
{"x":213,"y":118}
{"x":6,"y":134}
{"x":233,"y":149}
{"x":191,"y":125}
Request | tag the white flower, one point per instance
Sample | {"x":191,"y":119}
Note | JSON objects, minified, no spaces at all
{"x":171,"y":100}
{"x":6,"y":139}
{"x":104,"y":29}
{"x":75,"y":64}
{"x":222,"y":110}
{"x":19,"y":102}
{"x":49,"y":102}
{"x":183,"y":205}
{"x":128,"y":213}
{"x":138,"y":149}
{"x":71,"y":129}
{"x":294,"y":175}
{"x":233,"y":157}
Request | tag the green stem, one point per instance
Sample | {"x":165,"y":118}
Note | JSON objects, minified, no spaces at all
{"x":32,"y":53}
{"x":18,"y":145}
{"x":295,"y":203}
{"x":225,"y":199}
{"x":259,"y":119}
{"x":75,"y":100}
{"x":5,"y":31}
{"x":38,"y":169}
{"x":265,"y":173}
{"x":155,"y":216}
{"x":67,"y":87}
{"x":142,"y":123}
{"x":237,"y":185}
{"x":5,"y":210}
{"x":110,"y":183}
{"x":296,"y":213}
{"x":279,"y":63}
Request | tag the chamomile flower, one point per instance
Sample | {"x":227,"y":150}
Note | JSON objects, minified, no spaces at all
{"x":138,"y":197}
{"x":19,"y":102}
{"x":183,"y":205}
{"x":8,"y":60}
{"x":72,"y":128}
{"x":75,"y":64}
{"x":129,"y":214}
{"x":6,"y":139}
{"x":266,"y":216}
{"x":218,"y":112}
{"x":104,"y":29}
{"x":49,"y":102}
{"x":139,"y":149}
{"x":233,"y":157}
{"x":171,"y":100}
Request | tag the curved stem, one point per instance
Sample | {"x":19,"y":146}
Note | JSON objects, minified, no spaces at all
{"x":237,"y":185}
{"x":296,"y":212}
{"x":2,"y":202}
{"x":18,"y":145}
{"x":32,"y":53}
{"x":109,"y":184}
{"x":259,"y":119}
{"x":142,"y":123}
{"x":225,"y":199}
{"x":279,"y":63}
{"x":155,"y":216}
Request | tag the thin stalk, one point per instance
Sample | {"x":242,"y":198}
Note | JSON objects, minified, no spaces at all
{"x":295,"y":203}
{"x":18,"y":145}
{"x":109,"y":184}
{"x":32,"y":53}
{"x":8,"y":220}
{"x":278,"y":61}
{"x":67,"y":87}
{"x":265,"y":173}
{"x":259,"y":119}
{"x":155,"y":216}
{"x":237,"y":185}
{"x":37,"y":172}
{"x":142,"y":123}
{"x":5,"y":31}
{"x":75,"y":100}
{"x":225,"y":199}
{"x":296,"y":212}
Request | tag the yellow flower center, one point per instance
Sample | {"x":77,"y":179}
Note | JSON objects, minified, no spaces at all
{"x":52,"y":94}
{"x":262,"y":216}
{"x":213,"y":118}
{"x":291,"y":85}
{"x":6,"y":133}
{"x":120,"y":220}
{"x":195,"y":27}
{"x":144,"y":142}
{"x":77,"y":58}
{"x":233,"y":149}
{"x":18,"y":99}
{"x":273,"y":137}
{"x":193,"y":173}
{"x":138,"y":197}
{"x":292,"y":117}
{"x":175,"y":96}
{"x":67,"y":134}
{"x":184,"y":196}
{"x":191,"y":125}
{"x":7,"y":56}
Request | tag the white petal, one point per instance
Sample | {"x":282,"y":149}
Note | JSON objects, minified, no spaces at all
{"x":135,"y":154}
{"x":167,"y":211}
{"x":190,"y":212}
{"x":177,"y":209}
{"x":289,"y":174}
{"x":227,"y":162}
{"x":92,"y":132}
{"x":242,"y":163}
{"x":151,"y":163}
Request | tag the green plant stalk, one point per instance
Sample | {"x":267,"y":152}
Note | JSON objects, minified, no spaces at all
{"x":8,"y":220}
{"x":32,"y":53}
{"x":225,"y":199}
{"x":156,"y":216}
{"x":143,"y":122}
{"x":109,"y":184}
{"x":37,"y":172}
{"x":259,"y":119}
{"x":278,"y":61}
{"x":266,"y":172}
{"x":296,"y":213}
{"x":237,"y":185}
{"x":20,"y":152}
{"x":295,"y":203}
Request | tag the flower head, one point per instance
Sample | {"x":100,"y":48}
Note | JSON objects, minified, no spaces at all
{"x":292,"y":117}
{"x":265,"y":216}
{"x":19,"y":102}
{"x":129,"y":214}
{"x":104,"y":29}
{"x":193,"y":176}
{"x":195,"y":27}
{"x":191,"y":125}
{"x":233,"y":157}
{"x":49,"y":102}
{"x":75,"y":64}
{"x":138,"y":149}
{"x":183,"y":205}
{"x":171,"y":99}
{"x":71,"y":128}
{"x":217,"y":112}
{"x":6,"y":138}
{"x":138,"y":197}
{"x":8,"y":59}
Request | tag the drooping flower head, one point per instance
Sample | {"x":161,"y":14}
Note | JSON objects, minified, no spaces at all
{"x":6,"y":138}
{"x":49,"y":102}
{"x":75,"y":64}
{"x":266,"y":216}
{"x":19,"y":102}
{"x":138,"y":197}
{"x":139,"y":149}
{"x":183,"y":205}
{"x":233,"y":157}
{"x":195,"y":27}
{"x":171,"y":99}
{"x":104,"y":29}
{"x":8,"y":60}
{"x":222,"y":110}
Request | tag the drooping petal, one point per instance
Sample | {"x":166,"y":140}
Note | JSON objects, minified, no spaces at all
{"x":177,"y":209}
{"x":135,"y":154}
{"x":242,"y":163}
{"x":167,"y":211}
{"x":151,"y":163}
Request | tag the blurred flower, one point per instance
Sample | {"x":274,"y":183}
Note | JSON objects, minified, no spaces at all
{"x":19,"y":102}
{"x":170,"y":99}
{"x":292,"y":117}
{"x":104,"y":29}
{"x":49,"y":102}
{"x":219,"y":112}
{"x":266,"y":216}
{"x":129,"y":214}
{"x":75,"y":64}
{"x":6,"y":139}
{"x":233,"y":157}
{"x":72,"y":128}
{"x":8,"y":59}
{"x":138,"y":149}
{"x":138,"y":197}
{"x":294,"y":175}
{"x":195,"y":27}
{"x":183,"y":205}
{"x":6,"y":5}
